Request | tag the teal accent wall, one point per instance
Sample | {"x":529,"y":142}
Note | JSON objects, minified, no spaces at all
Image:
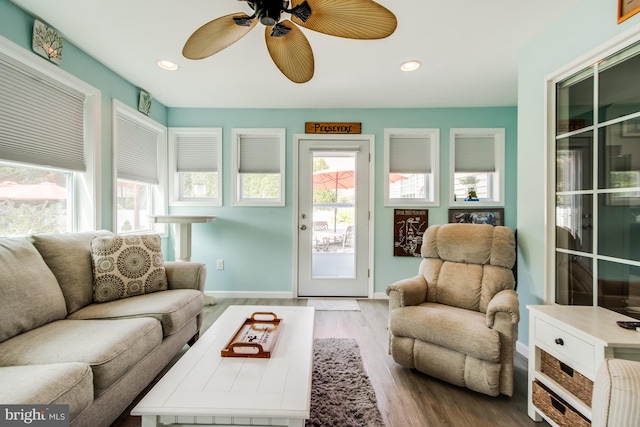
{"x":583,"y":29}
{"x":257,"y":242}
{"x":17,"y":26}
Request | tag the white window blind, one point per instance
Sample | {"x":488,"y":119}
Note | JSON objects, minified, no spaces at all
{"x":197,"y":153}
{"x":409,"y":154}
{"x":137,"y":151}
{"x":475,"y":153}
{"x":40,"y":123}
{"x":259,"y":154}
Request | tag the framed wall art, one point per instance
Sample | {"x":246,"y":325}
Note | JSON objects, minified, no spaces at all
{"x":627,"y":8}
{"x":477,"y":216}
{"x":631,"y":128}
{"x":408,"y":228}
{"x":144,"y":103}
{"x":47,"y":42}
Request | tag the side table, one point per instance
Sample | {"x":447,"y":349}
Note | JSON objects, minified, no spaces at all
{"x":567,"y":344}
{"x":182,"y":228}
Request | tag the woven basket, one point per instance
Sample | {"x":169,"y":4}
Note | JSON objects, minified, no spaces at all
{"x":556,"y":409}
{"x":568,"y":378}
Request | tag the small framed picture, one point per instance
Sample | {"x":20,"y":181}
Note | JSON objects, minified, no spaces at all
{"x":47,"y":42}
{"x":631,"y":128}
{"x":144,"y":103}
{"x":477,"y":216}
{"x":408,"y":227}
{"x":627,"y":8}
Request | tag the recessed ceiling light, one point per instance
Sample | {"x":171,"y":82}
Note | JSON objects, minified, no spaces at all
{"x":167,"y":65}
{"x":411,"y":65}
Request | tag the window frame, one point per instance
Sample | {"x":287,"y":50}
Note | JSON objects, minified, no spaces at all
{"x":86,"y":189}
{"x":159,"y":192}
{"x":552,"y":135}
{"x":175,"y":189}
{"x":236,"y":136}
{"x":433,"y":134}
{"x":498,"y":135}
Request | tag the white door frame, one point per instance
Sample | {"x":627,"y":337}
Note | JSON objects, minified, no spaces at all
{"x":296,"y":171}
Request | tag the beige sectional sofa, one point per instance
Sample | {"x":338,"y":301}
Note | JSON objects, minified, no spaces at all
{"x":59,"y":346}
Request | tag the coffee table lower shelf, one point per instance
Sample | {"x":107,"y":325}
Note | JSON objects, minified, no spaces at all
{"x":204,"y":388}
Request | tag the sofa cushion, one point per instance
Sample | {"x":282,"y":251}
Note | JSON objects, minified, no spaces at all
{"x":29,"y":293}
{"x":464,"y":331}
{"x":173,"y":308}
{"x":56,"y":383}
{"x":110,"y":347}
{"x":68,"y":255}
{"x":124,"y":266}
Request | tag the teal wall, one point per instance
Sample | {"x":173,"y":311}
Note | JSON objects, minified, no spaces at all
{"x":17,"y":26}
{"x":257,"y":243}
{"x":590,"y":24}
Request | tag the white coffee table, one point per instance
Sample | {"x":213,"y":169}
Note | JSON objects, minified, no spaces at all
{"x":205,"y":388}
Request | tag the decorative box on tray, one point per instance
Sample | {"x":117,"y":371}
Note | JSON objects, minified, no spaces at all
{"x":256,"y":337}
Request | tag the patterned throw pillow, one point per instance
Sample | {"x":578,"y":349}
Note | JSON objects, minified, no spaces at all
{"x":125,"y":266}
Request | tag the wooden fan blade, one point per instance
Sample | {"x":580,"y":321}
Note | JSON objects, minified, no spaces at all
{"x":290,"y":51}
{"x":216,"y":35}
{"x":352,"y":19}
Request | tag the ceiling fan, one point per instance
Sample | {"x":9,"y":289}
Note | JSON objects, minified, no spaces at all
{"x":286,"y":43}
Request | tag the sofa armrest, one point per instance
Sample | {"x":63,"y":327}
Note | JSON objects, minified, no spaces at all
{"x":185,"y":275}
{"x":505,"y":301}
{"x":411,"y":291}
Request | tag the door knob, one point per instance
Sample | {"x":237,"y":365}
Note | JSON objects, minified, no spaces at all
{"x":303,"y":227}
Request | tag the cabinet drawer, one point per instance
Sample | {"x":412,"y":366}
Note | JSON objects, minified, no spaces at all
{"x":567,"y":377}
{"x":572,"y":350}
{"x":555,"y":408}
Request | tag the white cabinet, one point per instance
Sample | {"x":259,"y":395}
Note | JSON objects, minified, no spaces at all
{"x":567,"y":344}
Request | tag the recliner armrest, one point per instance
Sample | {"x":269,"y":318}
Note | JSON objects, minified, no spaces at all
{"x":185,"y":275}
{"x":504,"y":301}
{"x":411,"y":291}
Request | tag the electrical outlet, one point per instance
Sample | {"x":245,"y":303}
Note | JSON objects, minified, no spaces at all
{"x":220,"y":264}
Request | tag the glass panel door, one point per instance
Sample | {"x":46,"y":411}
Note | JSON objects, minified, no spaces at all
{"x":333,"y":217}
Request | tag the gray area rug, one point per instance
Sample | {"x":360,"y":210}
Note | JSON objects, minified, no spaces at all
{"x":341,"y":392}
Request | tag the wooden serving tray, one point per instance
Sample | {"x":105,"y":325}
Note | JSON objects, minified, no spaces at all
{"x":255,"y":337}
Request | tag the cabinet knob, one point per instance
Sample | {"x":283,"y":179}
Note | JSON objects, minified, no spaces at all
{"x":559,"y":341}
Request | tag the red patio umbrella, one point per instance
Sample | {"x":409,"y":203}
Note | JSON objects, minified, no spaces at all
{"x":43,"y":191}
{"x":341,"y":175}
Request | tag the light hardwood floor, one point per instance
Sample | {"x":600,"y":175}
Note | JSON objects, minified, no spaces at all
{"x":406,"y":398}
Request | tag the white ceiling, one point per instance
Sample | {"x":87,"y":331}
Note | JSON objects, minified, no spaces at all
{"x":468,"y":50}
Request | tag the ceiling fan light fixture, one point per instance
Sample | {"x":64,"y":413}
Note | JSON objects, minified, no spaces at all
{"x":167,"y":65}
{"x":410,"y":65}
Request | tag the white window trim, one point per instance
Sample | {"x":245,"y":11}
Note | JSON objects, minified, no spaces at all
{"x":160,"y":195}
{"x":499,"y":141}
{"x":88,"y":206}
{"x":434,"y":136}
{"x":174,"y":187}
{"x":236,"y":134}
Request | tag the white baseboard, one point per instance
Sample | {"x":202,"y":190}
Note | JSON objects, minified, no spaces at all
{"x":247,"y":294}
{"x":523,"y":349}
{"x":380,"y":295}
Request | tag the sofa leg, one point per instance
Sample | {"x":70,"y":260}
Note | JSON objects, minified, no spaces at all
{"x":193,"y":339}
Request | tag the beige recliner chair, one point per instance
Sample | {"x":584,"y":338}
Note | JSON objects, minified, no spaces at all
{"x":457,"y":319}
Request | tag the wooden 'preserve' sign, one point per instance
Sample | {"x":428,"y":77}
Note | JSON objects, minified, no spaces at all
{"x":332,"y":127}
